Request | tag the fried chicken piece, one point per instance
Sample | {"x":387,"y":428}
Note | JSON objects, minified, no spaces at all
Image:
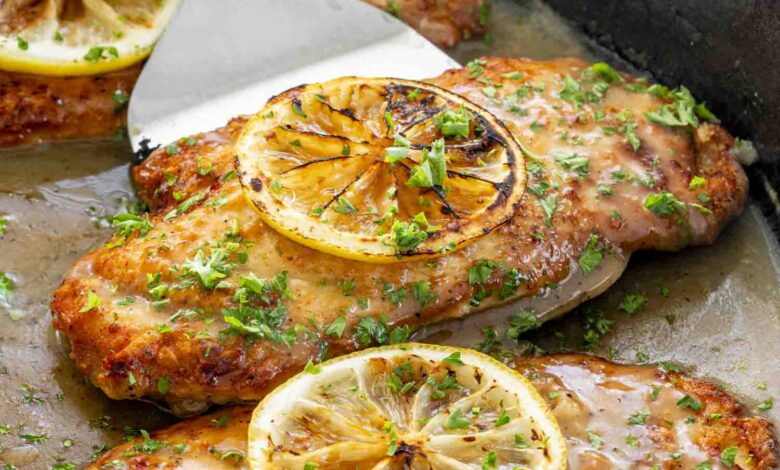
{"x":569,"y":240}
{"x":35,"y":109}
{"x":594,"y":401}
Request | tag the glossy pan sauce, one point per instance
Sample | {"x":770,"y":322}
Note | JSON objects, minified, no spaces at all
{"x":715,"y":310}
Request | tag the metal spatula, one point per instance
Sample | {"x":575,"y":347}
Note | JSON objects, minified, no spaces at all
{"x":220,"y":59}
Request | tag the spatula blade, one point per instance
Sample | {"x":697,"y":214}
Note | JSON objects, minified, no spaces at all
{"x":218,"y":60}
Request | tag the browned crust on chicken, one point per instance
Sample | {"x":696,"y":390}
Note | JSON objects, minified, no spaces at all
{"x":719,"y":423}
{"x":752,"y":433}
{"x":36,"y":109}
{"x":203,"y":441}
{"x":110,"y":342}
{"x":753,"y":436}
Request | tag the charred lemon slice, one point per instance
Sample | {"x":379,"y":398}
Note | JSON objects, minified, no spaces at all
{"x":406,"y":406}
{"x":380,"y":169}
{"x":79,"y":37}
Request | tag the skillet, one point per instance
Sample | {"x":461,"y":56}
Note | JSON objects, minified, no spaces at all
{"x":720,"y":320}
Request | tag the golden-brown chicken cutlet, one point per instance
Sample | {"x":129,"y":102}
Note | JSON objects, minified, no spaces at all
{"x":604,"y":180}
{"x":36,"y":109}
{"x":612,"y":416}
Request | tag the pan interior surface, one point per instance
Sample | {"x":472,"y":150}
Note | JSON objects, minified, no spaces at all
{"x":714,"y":310}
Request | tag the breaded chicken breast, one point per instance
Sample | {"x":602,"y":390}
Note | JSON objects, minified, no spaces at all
{"x":611,"y":173}
{"x":612,"y":416}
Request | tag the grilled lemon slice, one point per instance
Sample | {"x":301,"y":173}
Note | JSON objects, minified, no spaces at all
{"x":406,"y":406}
{"x":380,"y":169}
{"x":79,"y":37}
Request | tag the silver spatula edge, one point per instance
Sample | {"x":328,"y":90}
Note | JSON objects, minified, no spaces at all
{"x":218,"y":60}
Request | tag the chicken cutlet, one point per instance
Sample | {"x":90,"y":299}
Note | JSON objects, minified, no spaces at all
{"x":35,"y":109}
{"x":614,"y":170}
{"x":612,"y":416}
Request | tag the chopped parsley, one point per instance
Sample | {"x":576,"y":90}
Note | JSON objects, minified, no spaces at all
{"x":296,"y":108}
{"x":571,"y":91}
{"x":682,"y":111}
{"x":489,"y":340}
{"x":432,"y":169}
{"x":728,"y":456}
{"x":204,"y":166}
{"x":399,"y":150}
{"x":453,"y":359}
{"x":149,"y":445}
{"x":97,"y":53}
{"x":185,"y":205}
{"x":400,"y":334}
{"x":456,"y":420}
{"x":34,"y":438}
{"x":688,"y":402}
{"x":525,"y":320}
{"x":127,"y":224}
{"x":595,"y":440}
{"x":481,"y":271}
{"x":663,"y":204}
{"x":453,"y":124}
{"x":670,"y":367}
{"x":6,"y":287}
{"x":605,"y":71}
{"x":491,"y":459}
{"x":255,"y":323}
{"x":502,"y":419}
{"x":263,"y":289}
{"x":591,"y":256}
{"x":638,"y":418}
{"x":336,"y":327}
{"x":407,"y":236}
{"x":594,"y":326}
{"x":369,"y":330}
{"x":422,"y":293}
{"x":766,"y":405}
{"x":163,"y":385}
{"x":343,"y":206}
{"x":476,"y":68}
{"x":312,"y":369}
{"x":632,"y":303}
{"x":93,"y":301}
{"x":394,"y":296}
{"x":549,"y":205}
{"x":209,"y":270}
{"x":512,"y":280}
{"x":573,"y":162}
{"x":629,"y":130}
{"x":120,"y":99}
{"x":697,"y":182}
